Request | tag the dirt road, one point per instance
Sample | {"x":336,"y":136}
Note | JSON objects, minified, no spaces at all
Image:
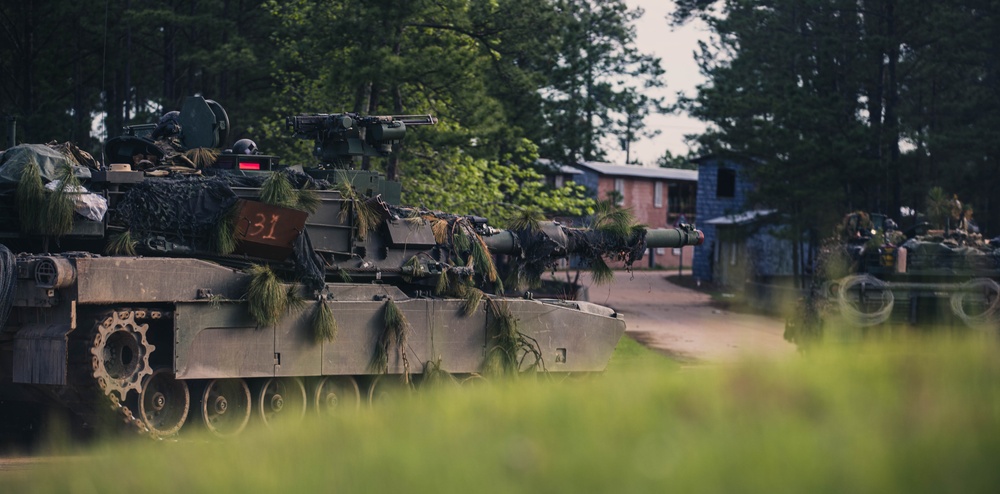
{"x":682,"y":323}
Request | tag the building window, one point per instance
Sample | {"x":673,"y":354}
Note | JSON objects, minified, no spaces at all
{"x":620,"y":191}
{"x":560,"y":181}
{"x":726,"y":184}
{"x":658,"y":195}
{"x":680,"y":202}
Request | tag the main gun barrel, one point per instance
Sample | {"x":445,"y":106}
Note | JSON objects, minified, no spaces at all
{"x":569,"y":241}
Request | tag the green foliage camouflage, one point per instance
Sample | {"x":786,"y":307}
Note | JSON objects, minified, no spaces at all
{"x":267,"y":298}
{"x":366,"y":219}
{"x":46,"y":212}
{"x":509,"y":347}
{"x":324,"y":325}
{"x":30,"y":195}
{"x":224,"y":239}
{"x":121,"y":244}
{"x":395,"y":331}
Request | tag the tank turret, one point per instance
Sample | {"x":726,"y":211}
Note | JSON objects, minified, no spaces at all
{"x":181,"y":284}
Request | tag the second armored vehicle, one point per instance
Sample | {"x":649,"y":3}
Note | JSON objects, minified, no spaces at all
{"x":922,"y":276}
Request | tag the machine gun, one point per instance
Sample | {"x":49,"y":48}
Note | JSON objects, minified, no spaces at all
{"x":342,"y":136}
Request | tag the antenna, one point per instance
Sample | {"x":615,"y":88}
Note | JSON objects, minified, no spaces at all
{"x":104,"y":69}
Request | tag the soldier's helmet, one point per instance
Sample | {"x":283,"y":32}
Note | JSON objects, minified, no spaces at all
{"x":168,"y":126}
{"x":245,"y":146}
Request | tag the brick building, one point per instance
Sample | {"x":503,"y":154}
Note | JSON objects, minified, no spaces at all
{"x":658,"y":197}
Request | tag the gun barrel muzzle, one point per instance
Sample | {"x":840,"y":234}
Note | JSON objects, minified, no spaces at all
{"x":415,"y":119}
{"x":673,"y":237}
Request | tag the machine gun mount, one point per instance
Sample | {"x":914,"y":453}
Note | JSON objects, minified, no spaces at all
{"x":342,"y":136}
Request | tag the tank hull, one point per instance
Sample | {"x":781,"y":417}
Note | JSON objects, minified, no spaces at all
{"x":191,"y":323}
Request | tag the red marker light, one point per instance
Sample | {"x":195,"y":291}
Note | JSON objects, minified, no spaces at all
{"x":249,"y":165}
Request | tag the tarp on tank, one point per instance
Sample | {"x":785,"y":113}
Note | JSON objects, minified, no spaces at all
{"x":50,"y":163}
{"x":930,"y":253}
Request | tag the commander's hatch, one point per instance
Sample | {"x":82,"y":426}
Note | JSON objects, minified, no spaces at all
{"x":204,"y":123}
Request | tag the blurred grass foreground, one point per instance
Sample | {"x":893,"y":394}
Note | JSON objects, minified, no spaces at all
{"x":910,"y":415}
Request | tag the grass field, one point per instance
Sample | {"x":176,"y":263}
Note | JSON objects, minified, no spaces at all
{"x":907,"y":415}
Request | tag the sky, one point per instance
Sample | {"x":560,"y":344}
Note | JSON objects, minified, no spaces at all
{"x":675,"y":48}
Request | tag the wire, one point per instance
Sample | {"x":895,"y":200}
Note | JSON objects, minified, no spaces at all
{"x":849,"y":307}
{"x":8,"y":282}
{"x":990,"y":290}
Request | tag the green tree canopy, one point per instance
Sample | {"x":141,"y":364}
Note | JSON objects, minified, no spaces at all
{"x":841,"y":105}
{"x":502,"y":76}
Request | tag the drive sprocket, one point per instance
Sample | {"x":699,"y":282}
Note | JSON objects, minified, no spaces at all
{"x":120,"y":353}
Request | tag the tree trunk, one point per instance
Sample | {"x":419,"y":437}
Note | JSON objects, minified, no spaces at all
{"x":127,"y":83}
{"x":366,"y":161}
{"x":876,"y":95}
{"x":169,"y":69}
{"x":892,"y":123}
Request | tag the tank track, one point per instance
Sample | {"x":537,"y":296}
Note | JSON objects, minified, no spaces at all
{"x":120,"y":352}
{"x":123,"y":366}
{"x":128,"y":368}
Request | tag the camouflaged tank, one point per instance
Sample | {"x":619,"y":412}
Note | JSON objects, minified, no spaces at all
{"x":920,"y":276}
{"x":181,"y":287}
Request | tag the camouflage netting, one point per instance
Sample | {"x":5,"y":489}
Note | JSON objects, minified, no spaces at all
{"x":459,"y":239}
{"x":235,"y":178}
{"x":309,"y":266}
{"x":539,"y":248}
{"x":186,"y":211}
{"x":541,"y":252}
{"x":591,"y":244}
